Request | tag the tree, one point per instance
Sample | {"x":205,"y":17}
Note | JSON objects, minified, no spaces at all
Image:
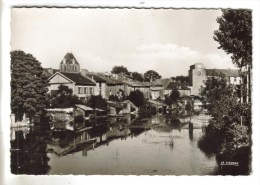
{"x":63,"y":98}
{"x":97,"y":102}
{"x":168,"y":100}
{"x":235,"y":37}
{"x":137,"y":97}
{"x":225,"y":135}
{"x":28,"y":86}
{"x":151,"y":75}
{"x":119,"y":69}
{"x":181,"y":79}
{"x":137,"y":76}
{"x":175,"y":95}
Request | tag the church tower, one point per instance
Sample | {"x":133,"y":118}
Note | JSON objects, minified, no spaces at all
{"x":197,"y":76}
{"x":69,"y":64}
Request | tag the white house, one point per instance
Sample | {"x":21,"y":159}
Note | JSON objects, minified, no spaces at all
{"x":81,"y":86}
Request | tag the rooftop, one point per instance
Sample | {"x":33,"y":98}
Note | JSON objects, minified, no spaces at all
{"x":176,"y":86}
{"x":226,"y":72}
{"x":78,"y":78}
{"x":69,"y":59}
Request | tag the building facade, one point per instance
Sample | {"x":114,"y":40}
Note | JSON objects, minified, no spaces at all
{"x":69,"y":75}
{"x":198,"y":74}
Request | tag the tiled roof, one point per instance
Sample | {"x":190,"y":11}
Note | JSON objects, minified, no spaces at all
{"x":69,"y":59}
{"x":164,"y":82}
{"x":96,"y":77}
{"x":78,"y":79}
{"x":110,"y":80}
{"x":226,"y":72}
{"x":176,"y":86}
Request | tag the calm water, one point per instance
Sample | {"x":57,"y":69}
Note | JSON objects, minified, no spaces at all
{"x":160,"y":145}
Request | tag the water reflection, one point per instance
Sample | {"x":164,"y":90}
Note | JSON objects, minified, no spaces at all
{"x":140,"y":144}
{"x":29,"y":151}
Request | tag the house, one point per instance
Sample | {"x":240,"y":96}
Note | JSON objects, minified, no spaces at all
{"x":87,"y":111}
{"x":100,"y":88}
{"x":198,"y":74}
{"x":113,"y":86}
{"x":69,"y":75}
{"x":183,"y":89}
{"x":81,"y":86}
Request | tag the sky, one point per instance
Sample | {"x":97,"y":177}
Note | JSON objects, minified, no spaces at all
{"x":165,"y":40}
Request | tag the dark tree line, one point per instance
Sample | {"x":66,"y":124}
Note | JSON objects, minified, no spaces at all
{"x":148,"y":76}
{"x":28,"y":86}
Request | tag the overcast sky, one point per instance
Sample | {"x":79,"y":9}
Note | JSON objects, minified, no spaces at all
{"x":167,"y":41}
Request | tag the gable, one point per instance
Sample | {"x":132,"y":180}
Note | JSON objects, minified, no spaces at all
{"x":57,"y":78}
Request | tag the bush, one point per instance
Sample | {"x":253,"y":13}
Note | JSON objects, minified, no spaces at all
{"x":137,"y":97}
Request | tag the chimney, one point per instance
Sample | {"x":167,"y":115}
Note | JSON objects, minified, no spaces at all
{"x":50,"y":70}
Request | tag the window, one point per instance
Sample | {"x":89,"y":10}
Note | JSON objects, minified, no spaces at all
{"x":85,"y":90}
{"x":79,"y":90}
{"x":91,"y":90}
{"x":235,"y":79}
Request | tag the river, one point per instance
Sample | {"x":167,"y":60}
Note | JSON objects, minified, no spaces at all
{"x":157,"y":145}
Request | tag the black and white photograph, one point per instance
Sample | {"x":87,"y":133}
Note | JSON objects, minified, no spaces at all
{"x":131,"y":91}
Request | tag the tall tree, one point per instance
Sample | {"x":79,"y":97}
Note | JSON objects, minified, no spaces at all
{"x":119,"y":69}
{"x":151,"y":75}
{"x":235,"y":37}
{"x":137,"y":76}
{"x":28,"y":86}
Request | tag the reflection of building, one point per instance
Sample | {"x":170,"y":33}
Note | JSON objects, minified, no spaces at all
{"x":198,"y":75}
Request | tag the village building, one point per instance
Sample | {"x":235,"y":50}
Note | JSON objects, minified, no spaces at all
{"x":183,"y":89}
{"x":69,"y":75}
{"x":198,"y":74}
{"x":113,"y":86}
{"x":100,"y":88}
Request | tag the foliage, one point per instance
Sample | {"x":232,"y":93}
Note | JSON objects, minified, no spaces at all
{"x":151,"y":75}
{"x":231,"y":125}
{"x":137,"y":97}
{"x":235,"y":35}
{"x":175,"y":95}
{"x":168,"y":100}
{"x":181,"y":79}
{"x":172,"y":98}
{"x":119,"y":69}
{"x":113,"y":98}
{"x":63,"y":98}
{"x":223,"y":103}
{"x":28,"y":86}
{"x":189,"y":106}
{"x":97,"y":102}
{"x":137,"y":76}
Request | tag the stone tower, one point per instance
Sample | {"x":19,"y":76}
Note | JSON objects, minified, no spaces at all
{"x":69,"y":64}
{"x":197,"y":76}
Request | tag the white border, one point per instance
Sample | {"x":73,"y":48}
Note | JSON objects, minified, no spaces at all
{"x":7,"y":178}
